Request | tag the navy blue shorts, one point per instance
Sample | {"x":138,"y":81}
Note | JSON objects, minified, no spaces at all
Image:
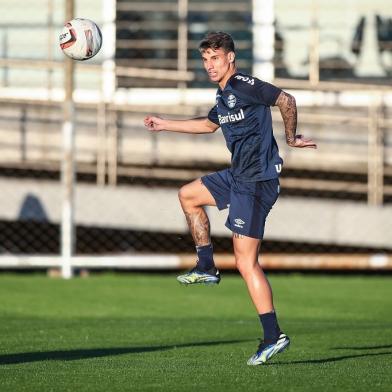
{"x":249,"y":202}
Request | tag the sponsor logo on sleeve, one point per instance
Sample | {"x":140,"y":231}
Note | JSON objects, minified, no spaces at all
{"x":246,"y":79}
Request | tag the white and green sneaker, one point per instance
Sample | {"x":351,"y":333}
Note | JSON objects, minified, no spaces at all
{"x":197,"y":276}
{"x":268,"y":350}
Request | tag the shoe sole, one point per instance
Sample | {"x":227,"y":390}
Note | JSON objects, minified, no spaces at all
{"x":211,"y":283}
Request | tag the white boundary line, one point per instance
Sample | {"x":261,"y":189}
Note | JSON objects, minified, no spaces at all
{"x":140,"y":261}
{"x":374,"y":262}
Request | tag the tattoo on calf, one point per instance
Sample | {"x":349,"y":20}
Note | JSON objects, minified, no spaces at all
{"x":199,"y":226}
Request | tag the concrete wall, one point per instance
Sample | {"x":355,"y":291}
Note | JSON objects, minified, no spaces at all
{"x":157,"y":209}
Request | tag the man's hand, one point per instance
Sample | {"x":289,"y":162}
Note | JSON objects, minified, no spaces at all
{"x":301,"y":142}
{"x":153,"y":123}
{"x":194,"y":125}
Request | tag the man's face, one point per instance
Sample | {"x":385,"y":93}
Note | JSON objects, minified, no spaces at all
{"x":216,"y":63}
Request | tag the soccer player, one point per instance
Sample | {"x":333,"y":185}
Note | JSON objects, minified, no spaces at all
{"x":249,"y":188}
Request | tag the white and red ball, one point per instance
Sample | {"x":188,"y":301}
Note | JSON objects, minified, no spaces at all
{"x":80,"y":39}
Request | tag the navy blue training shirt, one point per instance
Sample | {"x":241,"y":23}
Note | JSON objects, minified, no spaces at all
{"x":243,"y":112}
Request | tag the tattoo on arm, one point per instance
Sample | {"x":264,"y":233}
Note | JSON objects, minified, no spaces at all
{"x":236,"y":235}
{"x":199,"y":226}
{"x":288,"y":110}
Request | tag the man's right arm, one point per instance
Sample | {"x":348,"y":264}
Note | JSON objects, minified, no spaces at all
{"x":197,"y":125}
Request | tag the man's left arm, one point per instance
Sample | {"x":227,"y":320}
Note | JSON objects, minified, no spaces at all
{"x":288,"y":110}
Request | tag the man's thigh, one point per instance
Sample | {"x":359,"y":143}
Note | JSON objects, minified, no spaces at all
{"x":197,"y":194}
{"x":219,"y":186}
{"x":250,"y":205}
{"x":245,"y":248}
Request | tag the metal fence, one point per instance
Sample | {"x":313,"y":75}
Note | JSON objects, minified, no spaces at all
{"x":126,"y":169}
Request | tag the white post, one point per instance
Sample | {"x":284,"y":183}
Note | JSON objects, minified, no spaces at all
{"x":67,"y":168}
{"x":182,"y":40}
{"x":375,"y":153}
{"x":263,"y":39}
{"x":51,"y":37}
{"x":314,"y":55}
{"x":108,"y":87}
{"x":108,"y":48}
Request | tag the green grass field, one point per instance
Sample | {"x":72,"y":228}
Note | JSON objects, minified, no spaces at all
{"x":146,"y":332}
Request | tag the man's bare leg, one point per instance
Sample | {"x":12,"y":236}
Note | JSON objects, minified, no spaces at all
{"x":193,"y":197}
{"x":246,"y":252}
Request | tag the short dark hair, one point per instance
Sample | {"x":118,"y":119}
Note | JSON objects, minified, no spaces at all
{"x":216,"y":40}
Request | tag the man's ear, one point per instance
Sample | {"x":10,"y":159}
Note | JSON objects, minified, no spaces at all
{"x":231,"y":57}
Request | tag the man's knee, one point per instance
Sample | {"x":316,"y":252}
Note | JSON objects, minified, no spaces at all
{"x":183,"y":193}
{"x":245,"y":264}
{"x":241,"y":263}
{"x":186,"y":196}
{"x":194,"y":195}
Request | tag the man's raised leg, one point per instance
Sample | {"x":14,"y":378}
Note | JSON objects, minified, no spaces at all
{"x":193,"y":197}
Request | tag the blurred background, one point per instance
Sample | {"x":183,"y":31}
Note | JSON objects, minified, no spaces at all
{"x":110,"y":200}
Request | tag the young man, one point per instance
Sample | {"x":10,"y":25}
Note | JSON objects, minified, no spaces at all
{"x":249,"y":188}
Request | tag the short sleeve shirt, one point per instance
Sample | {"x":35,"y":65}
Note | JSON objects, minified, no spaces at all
{"x":243,"y":112}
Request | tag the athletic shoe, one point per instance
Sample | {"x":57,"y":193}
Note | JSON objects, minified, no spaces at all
{"x":196,"y":276}
{"x":268,"y":350}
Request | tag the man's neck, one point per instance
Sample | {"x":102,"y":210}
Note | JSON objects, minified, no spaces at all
{"x":229,"y":74}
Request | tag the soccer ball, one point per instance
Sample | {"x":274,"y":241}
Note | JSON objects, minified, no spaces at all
{"x":80,"y":39}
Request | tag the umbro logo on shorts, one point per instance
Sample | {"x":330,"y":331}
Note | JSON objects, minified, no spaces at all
{"x":239,"y":223}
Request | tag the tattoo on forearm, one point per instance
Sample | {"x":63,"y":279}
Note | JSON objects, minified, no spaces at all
{"x":288,"y":110}
{"x":199,"y":226}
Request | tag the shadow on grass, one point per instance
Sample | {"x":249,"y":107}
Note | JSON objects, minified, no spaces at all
{"x":326,"y":360}
{"x":363,"y":347}
{"x":72,"y":355}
